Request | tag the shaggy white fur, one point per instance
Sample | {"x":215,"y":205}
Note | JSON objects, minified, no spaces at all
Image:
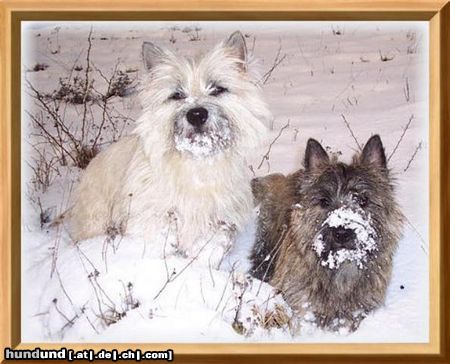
{"x":167,"y":175}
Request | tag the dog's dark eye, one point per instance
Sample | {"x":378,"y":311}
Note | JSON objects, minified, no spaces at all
{"x":178,"y":95}
{"x":363,"y":200}
{"x":217,"y":90}
{"x":324,"y":202}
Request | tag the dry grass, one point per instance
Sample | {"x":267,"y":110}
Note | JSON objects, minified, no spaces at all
{"x":77,"y":142}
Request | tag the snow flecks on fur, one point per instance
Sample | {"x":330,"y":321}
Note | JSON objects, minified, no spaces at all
{"x":318,"y":245}
{"x":365,"y":242}
{"x":203,"y":145}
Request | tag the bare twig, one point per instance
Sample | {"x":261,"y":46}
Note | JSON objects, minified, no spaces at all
{"x":164,"y":253}
{"x":406,"y":90}
{"x":86,"y":86}
{"x":419,"y":146}
{"x":273,"y":253}
{"x":267,"y":155}
{"x":98,"y":290}
{"x":225,"y":286}
{"x":63,"y":288}
{"x":103,"y":291}
{"x":294,"y":137}
{"x":70,"y":321}
{"x":53,"y":113}
{"x":237,"y":325}
{"x":44,"y":169}
{"x":50,"y":137}
{"x":405,"y":129}
{"x":201,"y":290}
{"x":81,"y":253}
{"x":99,"y":302}
{"x":277,"y":61}
{"x":211,"y":273}
{"x":347,"y":124}
{"x":105,"y":103}
{"x":422,"y":240}
{"x":172,"y":277}
{"x":91,"y":324}
{"x":105,"y":246}
{"x":55,"y":251}
{"x":252,"y":49}
{"x":252,"y":170}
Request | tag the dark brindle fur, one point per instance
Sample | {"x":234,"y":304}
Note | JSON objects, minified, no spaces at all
{"x":292,"y":212}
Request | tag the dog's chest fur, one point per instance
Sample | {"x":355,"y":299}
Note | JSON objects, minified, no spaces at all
{"x":203,"y":194}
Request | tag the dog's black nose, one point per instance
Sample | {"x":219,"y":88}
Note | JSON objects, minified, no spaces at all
{"x":197,"y":116}
{"x":343,"y":238}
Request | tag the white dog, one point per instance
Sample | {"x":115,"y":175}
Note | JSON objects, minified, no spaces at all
{"x":185,"y":162}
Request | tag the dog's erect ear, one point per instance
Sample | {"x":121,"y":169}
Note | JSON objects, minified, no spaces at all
{"x":151,"y":55}
{"x":315,"y":156}
{"x":236,"y":43}
{"x":373,"y":152}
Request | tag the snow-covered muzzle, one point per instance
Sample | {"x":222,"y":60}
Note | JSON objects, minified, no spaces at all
{"x":346,"y":235}
{"x":215,"y":135}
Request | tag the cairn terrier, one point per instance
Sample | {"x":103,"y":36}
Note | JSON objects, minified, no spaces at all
{"x":185,"y":159}
{"x":327,"y":234}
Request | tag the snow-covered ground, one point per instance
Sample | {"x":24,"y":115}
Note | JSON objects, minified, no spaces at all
{"x":335,"y":82}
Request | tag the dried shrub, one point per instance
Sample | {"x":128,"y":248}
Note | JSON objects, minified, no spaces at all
{"x":40,"y":67}
{"x":73,"y":91}
{"x":120,"y":85}
{"x":77,"y":140}
{"x":84,"y":155}
{"x":277,"y":318}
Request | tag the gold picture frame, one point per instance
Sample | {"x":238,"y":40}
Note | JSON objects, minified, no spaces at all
{"x":437,"y":13}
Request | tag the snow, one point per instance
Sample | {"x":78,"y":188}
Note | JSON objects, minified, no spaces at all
{"x":74,"y":293}
{"x":318,"y":245}
{"x":351,"y":219}
{"x":202,"y":145}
